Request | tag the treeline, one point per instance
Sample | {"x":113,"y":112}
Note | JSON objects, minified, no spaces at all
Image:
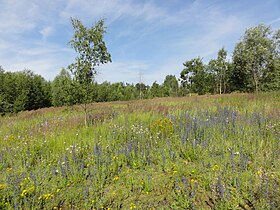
{"x":254,"y":66}
{"x":25,"y":90}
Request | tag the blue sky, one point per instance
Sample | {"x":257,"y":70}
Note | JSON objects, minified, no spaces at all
{"x":154,"y":37}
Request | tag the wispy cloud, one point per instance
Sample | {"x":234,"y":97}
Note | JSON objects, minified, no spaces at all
{"x":277,"y":20}
{"x":46,"y":32}
{"x":151,"y":36}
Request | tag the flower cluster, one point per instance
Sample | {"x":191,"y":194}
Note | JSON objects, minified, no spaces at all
{"x":164,"y":126}
{"x":27,"y":191}
{"x":46,"y":196}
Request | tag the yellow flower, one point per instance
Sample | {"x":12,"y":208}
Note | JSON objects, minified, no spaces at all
{"x":24,"y":193}
{"x":115,"y":178}
{"x":115,"y":157}
{"x":27,"y":191}
{"x":9,"y":169}
{"x":216,"y":168}
{"x":132,"y":206}
{"x":2,"y":186}
{"x":193,"y":181}
{"x":46,"y":196}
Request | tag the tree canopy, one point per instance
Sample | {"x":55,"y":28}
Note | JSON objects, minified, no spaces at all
{"x":92,"y":51}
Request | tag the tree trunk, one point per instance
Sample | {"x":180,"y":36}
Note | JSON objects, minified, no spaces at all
{"x":255,"y":80}
{"x":86,"y":117}
{"x":220,"y":87}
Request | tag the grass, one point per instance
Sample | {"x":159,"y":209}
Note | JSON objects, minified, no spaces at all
{"x":199,"y":152}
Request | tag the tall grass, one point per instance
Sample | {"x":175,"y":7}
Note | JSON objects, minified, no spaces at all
{"x":208,"y":152}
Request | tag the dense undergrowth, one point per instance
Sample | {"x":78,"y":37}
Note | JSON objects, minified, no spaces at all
{"x":208,"y":152}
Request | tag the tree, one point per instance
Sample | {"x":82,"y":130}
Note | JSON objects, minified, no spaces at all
{"x":220,"y":69}
{"x":155,"y":90}
{"x":254,"y":59}
{"x":32,"y":90}
{"x":92,"y":51}
{"x":194,"y":77}
{"x":23,"y":90}
{"x":64,"y":90}
{"x":170,"y":85}
{"x":271,"y":78}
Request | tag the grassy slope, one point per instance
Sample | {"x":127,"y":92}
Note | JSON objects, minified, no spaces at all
{"x":215,"y":152}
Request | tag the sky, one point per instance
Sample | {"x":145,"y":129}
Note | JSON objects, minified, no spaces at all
{"x":151,"y":38}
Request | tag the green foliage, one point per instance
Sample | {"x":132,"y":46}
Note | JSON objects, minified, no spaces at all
{"x":255,"y":61}
{"x":89,"y":44}
{"x":255,"y":66}
{"x":65,"y":91}
{"x":195,"y":77}
{"x":220,"y":68}
{"x":155,"y":90}
{"x":23,"y":91}
{"x":170,"y":86}
{"x":92,"y":51}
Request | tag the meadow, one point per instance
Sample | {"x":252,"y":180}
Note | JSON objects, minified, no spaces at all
{"x":197,"y":152}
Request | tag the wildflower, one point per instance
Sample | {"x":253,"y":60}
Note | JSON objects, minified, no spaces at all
{"x":132,"y":206}
{"x":193,"y":181}
{"x":215,"y":168}
{"x":259,"y":172}
{"x":115,"y":178}
{"x":24,"y":193}
{"x":58,"y":190}
{"x":27,"y":191}
{"x":115,"y":157}
{"x":9,"y":169}
{"x":46,"y":196}
{"x":2,"y":186}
